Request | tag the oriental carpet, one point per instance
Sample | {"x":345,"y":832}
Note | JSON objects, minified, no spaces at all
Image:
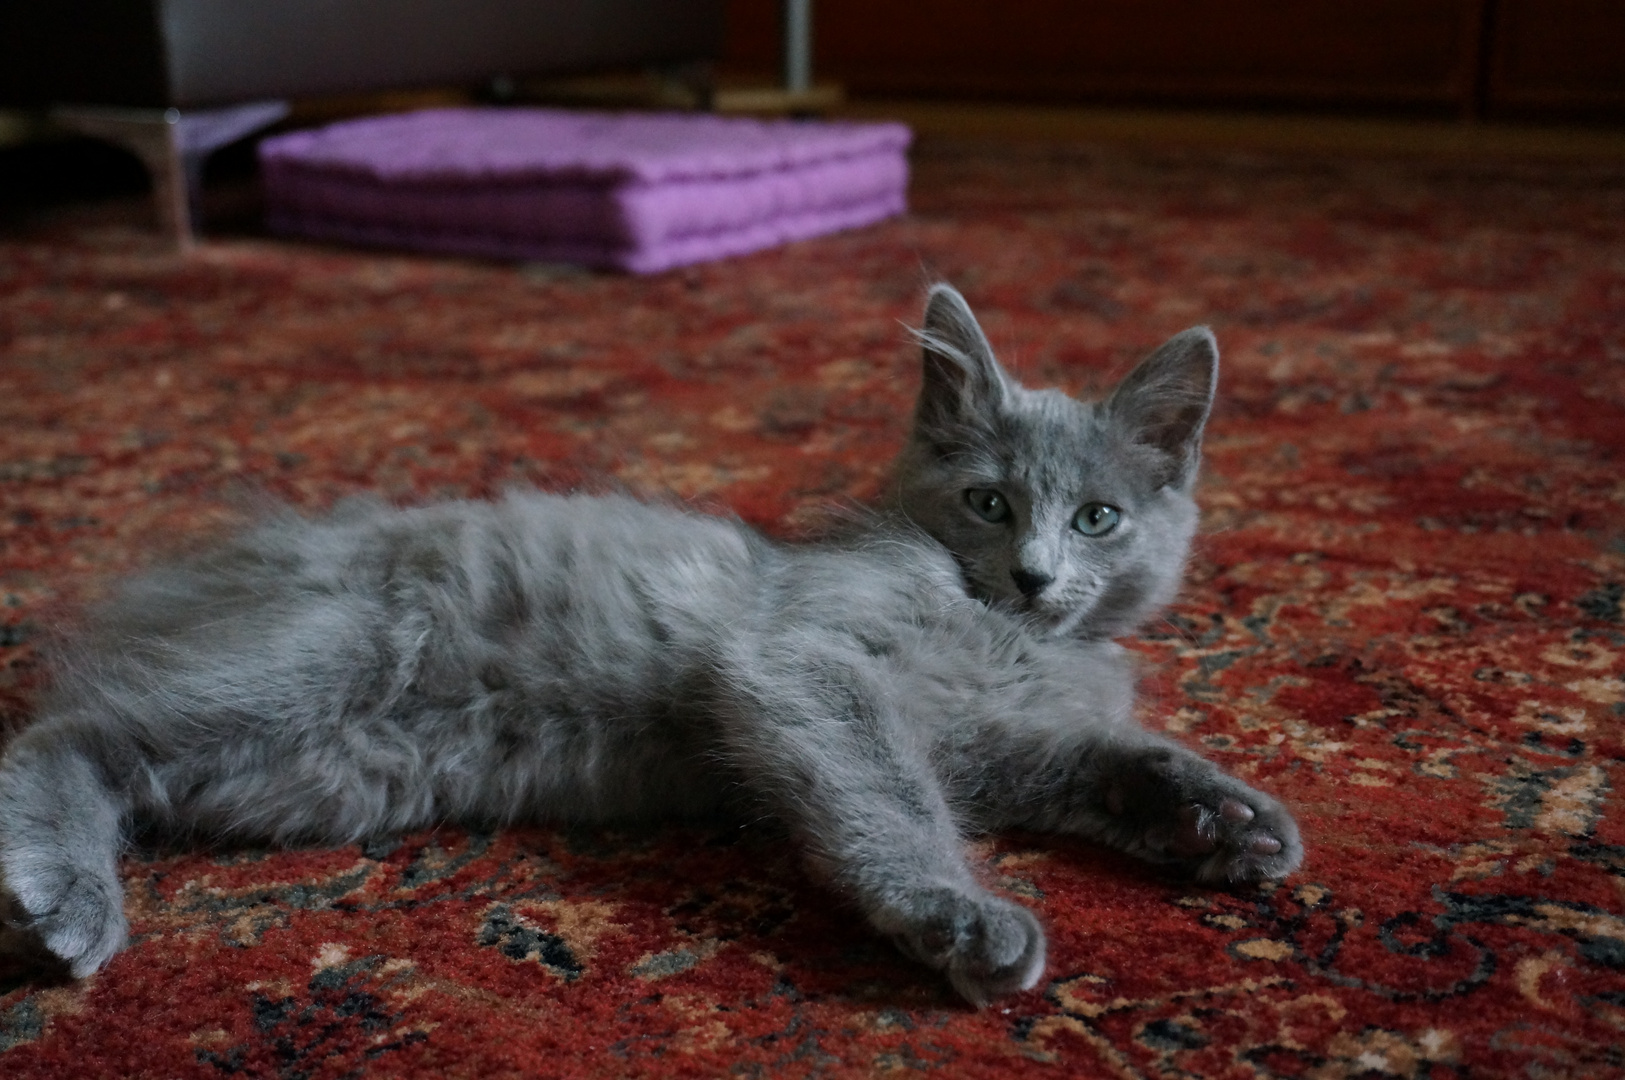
{"x":1404,"y":617}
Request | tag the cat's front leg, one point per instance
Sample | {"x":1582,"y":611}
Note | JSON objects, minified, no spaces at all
{"x":61,"y":832}
{"x":822,"y":750}
{"x":986,"y":945}
{"x":1166,"y":804}
{"x":1133,"y":790}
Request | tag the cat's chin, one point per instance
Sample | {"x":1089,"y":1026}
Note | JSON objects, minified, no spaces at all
{"x":1050,"y":620}
{"x":1072,"y":624}
{"x":1059,"y":623}
{"x":1046,"y":621}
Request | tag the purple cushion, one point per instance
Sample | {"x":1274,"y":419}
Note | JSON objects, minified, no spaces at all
{"x":635,"y":191}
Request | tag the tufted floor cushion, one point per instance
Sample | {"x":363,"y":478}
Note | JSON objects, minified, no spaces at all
{"x":632,"y":191}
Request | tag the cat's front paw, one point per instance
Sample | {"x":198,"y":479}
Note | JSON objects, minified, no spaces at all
{"x":986,"y":945}
{"x":77,"y":915}
{"x":1175,"y":807}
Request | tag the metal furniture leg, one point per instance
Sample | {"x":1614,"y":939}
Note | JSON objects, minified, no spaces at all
{"x":173,"y":144}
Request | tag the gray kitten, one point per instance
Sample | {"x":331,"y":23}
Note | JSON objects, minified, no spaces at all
{"x":944,"y":669}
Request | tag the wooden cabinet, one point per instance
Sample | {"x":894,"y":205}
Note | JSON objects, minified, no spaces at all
{"x":1443,"y":56}
{"x":1556,"y":57}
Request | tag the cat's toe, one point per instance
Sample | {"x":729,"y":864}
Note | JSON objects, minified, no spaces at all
{"x":1260,"y":845}
{"x":1239,"y":842}
{"x":986,"y":945}
{"x":1263,"y":844}
{"x":1194,"y":831}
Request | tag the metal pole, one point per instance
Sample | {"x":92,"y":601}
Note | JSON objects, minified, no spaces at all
{"x":797,"y":46}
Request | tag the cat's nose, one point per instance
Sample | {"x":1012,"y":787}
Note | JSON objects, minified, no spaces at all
{"x":1029,"y":583}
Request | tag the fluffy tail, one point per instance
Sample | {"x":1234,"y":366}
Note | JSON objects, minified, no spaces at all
{"x":61,"y":832}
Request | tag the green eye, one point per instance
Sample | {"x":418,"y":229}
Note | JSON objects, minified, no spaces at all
{"x":988,"y":504}
{"x":1097,"y":519}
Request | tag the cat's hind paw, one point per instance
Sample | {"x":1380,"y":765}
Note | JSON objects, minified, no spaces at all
{"x":986,"y":945}
{"x":1179,"y":808}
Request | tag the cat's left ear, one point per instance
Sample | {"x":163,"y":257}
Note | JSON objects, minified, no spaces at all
{"x":1164,"y":402}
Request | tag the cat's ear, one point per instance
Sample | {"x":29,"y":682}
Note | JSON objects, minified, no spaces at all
{"x":963,"y":385}
{"x":1164,"y":401}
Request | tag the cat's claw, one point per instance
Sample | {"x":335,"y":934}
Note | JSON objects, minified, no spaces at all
{"x":986,"y":945}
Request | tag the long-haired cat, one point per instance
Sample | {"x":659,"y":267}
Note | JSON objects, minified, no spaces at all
{"x":945,"y":668}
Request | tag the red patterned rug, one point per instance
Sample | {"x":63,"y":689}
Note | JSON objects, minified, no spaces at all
{"x":1404,"y":618}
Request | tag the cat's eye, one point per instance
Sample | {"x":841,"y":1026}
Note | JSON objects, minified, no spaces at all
{"x":988,"y":504}
{"x":1097,"y":519}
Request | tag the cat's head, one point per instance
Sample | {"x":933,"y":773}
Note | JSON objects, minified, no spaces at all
{"x":1077,"y":513}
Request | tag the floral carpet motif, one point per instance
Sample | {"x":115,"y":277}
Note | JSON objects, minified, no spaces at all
{"x":1404,"y":617}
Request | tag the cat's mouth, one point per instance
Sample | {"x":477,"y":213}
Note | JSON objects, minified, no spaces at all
{"x":1045,"y":615}
{"x":1064,"y":616}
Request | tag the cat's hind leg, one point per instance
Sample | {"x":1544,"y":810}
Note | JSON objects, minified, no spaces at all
{"x":61,"y":833}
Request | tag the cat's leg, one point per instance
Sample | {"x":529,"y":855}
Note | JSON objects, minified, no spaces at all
{"x":843,"y":773}
{"x":1075,"y":761}
{"x":61,"y":833}
{"x":1166,"y":804}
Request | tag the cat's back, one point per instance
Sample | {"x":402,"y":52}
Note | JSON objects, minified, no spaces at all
{"x":882,"y":597}
{"x":880,"y":570}
{"x":557,"y":579}
{"x":434,"y":596}
{"x":676,"y":572}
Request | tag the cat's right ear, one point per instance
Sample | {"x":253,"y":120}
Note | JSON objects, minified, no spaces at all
{"x":963,"y":385}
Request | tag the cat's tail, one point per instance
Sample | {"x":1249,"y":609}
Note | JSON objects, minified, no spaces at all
{"x":62,"y":829}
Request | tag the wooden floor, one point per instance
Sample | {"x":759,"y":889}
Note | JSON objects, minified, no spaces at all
{"x":1250,"y":131}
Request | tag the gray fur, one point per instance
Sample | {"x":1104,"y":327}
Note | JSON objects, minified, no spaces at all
{"x":591,"y":659}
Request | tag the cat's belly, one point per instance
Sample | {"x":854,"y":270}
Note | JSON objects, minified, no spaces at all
{"x":482,"y":763}
{"x":538,"y":761}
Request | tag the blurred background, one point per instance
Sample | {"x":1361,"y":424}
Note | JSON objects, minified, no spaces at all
{"x":1505,"y":59}
{"x":1482,"y":76}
